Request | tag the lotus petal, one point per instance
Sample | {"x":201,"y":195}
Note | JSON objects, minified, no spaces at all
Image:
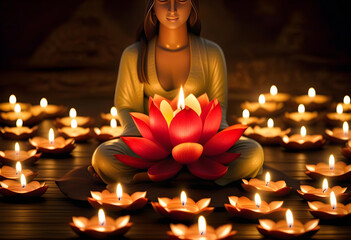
{"x":159,"y":127}
{"x":164,"y":170}
{"x":142,"y":122}
{"x":207,"y":169}
{"x":178,"y":229}
{"x":310,"y":225}
{"x":225,"y":158}
{"x":134,"y":161}
{"x":266,"y":223}
{"x":157,"y":99}
{"x":223,"y":231}
{"x":203,"y":100}
{"x":203,"y":203}
{"x":211,"y":123}
{"x":166,"y":111}
{"x":192,"y":102}
{"x":206,"y":110}
{"x":186,"y":153}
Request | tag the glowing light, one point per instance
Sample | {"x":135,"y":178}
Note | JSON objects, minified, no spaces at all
{"x":270,"y":123}
{"x":345,"y":129}
{"x":18,"y":168}
{"x":261,"y":99}
{"x":51,"y":136}
{"x":274,"y":90}
{"x":113,"y":111}
{"x":289,"y":218}
{"x":267,"y":178}
{"x":17,"y":148}
{"x":74,"y":123}
{"x":19,"y":123}
{"x":12,"y":99}
{"x":311,"y":92}
{"x":331,"y":162}
{"x":339,"y":109}
{"x":347,"y":99}
{"x":257,"y":200}
{"x":102,"y":219}
{"x":181,"y":102}
{"x":303,"y":131}
{"x":113,"y":123}
{"x":17,"y":108}
{"x":43,"y":103}
{"x":23,"y":181}
{"x":333,"y":200}
{"x":72,"y":113}
{"x":325,"y":185}
{"x":246,"y":113}
{"x":119,"y":192}
{"x":183,"y":198}
{"x":202,"y":225}
{"x":301,"y":108}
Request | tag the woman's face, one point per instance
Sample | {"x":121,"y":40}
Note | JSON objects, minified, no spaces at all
{"x":172,"y":13}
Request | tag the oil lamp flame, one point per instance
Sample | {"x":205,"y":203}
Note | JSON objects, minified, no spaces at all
{"x":258,"y":200}
{"x":113,"y":123}
{"x":181,"y":102}
{"x":345,"y":129}
{"x":333,"y":200}
{"x":51,"y":136}
{"x":246,"y":113}
{"x":274,"y":90}
{"x":17,"y":148}
{"x":301,"y":108}
{"x":23,"y":181}
{"x":183,"y":198}
{"x":43,"y":103}
{"x":102,"y":219}
{"x":303,"y":131}
{"x":72,"y":113}
{"x":347,"y":99}
{"x":331,"y":162}
{"x":267,"y":178}
{"x":261,"y":99}
{"x":119,"y":192}
{"x":17,"y":108}
{"x":74,"y":123}
{"x":325,"y":185}
{"x":270,"y":123}
{"x":19,"y":123}
{"x":311,"y":92}
{"x":113,"y":111}
{"x":339,"y":109}
{"x":18,"y":168}
{"x":12,"y":99}
{"x":202,"y":225}
{"x":289,"y":218}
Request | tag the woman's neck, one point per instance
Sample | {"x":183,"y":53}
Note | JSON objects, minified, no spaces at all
{"x":173,"y":39}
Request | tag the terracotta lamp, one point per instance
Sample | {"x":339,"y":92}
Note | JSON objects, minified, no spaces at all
{"x":53,"y":145}
{"x":263,"y":108}
{"x":302,"y":141}
{"x":339,"y":117}
{"x":79,"y":134}
{"x":10,"y":118}
{"x":118,"y":200}
{"x":245,"y":208}
{"x":313,"y":101}
{"x":200,"y":231}
{"x":301,"y":117}
{"x":113,"y":114}
{"x":14,"y":188}
{"x":10,"y":106}
{"x":267,"y":186}
{"x":329,"y":211}
{"x":11,"y":157}
{"x":48,"y":111}
{"x":19,"y":132}
{"x":288,"y":229}
{"x":246,"y":119}
{"x":346,"y":106}
{"x":101,"y":226}
{"x":269,"y":135}
{"x":346,"y":151}
{"x":108,"y":132}
{"x":321,"y":194}
{"x":333,"y":171}
{"x":275,"y":96}
{"x":339,"y":135}
{"x":182,"y":208}
{"x":82,"y":121}
{"x":7,"y":172}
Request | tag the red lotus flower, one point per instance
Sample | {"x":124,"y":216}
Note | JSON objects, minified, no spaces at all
{"x":173,"y":137}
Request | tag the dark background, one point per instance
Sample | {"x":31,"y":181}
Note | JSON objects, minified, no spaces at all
{"x":70,"y":49}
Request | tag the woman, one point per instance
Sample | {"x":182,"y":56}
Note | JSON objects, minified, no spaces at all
{"x":169,"y":53}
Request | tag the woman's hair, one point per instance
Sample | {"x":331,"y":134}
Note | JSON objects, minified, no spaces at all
{"x":149,"y":28}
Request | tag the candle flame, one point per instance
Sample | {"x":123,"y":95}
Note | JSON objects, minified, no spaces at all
{"x":345,"y":128}
{"x":333,"y":200}
{"x":311,"y":92}
{"x":17,"y":108}
{"x":17,"y":148}
{"x":347,"y":99}
{"x":267,"y":178}
{"x":258,"y":200}
{"x":113,"y":111}
{"x":289,"y":218}
{"x":274,"y":90}
{"x":301,"y":108}
{"x":23,"y":181}
{"x":246,"y":113}
{"x":74,"y":123}
{"x":325,"y":185}
{"x":18,"y":168}
{"x":119,"y":192}
{"x":331,"y":162}
{"x":12,"y":99}
{"x":183,"y":198}
{"x":202,"y":225}
{"x":72,"y":113}
{"x":261,"y":99}
{"x":303,"y":131}
{"x":270,"y":123}
{"x":19,"y":123}
{"x":102,"y":220}
{"x":43,"y":103}
{"x":51,"y":136}
{"x":181,"y":102}
{"x":113,"y":123}
{"x":339,"y":109}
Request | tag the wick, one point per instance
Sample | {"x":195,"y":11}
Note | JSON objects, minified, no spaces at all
{"x":333,"y":207}
{"x":183,"y":203}
{"x":202,"y":233}
{"x":290,"y":225}
{"x":258,"y":206}
{"x":119,"y":198}
{"x":267,"y":183}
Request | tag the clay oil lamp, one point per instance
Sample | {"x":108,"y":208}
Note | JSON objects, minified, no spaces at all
{"x":333,"y":171}
{"x":339,"y":135}
{"x":313,"y":101}
{"x":248,"y":120}
{"x":107,"y":117}
{"x":11,"y":157}
{"x":303,"y":141}
{"x":10,"y":118}
{"x":346,"y":104}
{"x":275,"y":96}
{"x":182,"y":208}
{"x":339,"y":117}
{"x":266,"y":187}
{"x":321,"y":194}
{"x":200,"y":231}
{"x":100,"y":226}
{"x":7,"y":172}
{"x":53,"y":145}
{"x":301,"y":117}
{"x":14,"y":188}
{"x":10,"y":106}
{"x":82,"y":121}
{"x":263,"y":108}
{"x":47,"y":110}
{"x":245,"y":208}
{"x":77,"y":133}
{"x":19,"y":132}
{"x":288,"y":229}
{"x":108,"y":132}
{"x":329,"y":211}
{"x":346,"y":151}
{"x":269,"y":135}
{"x":118,"y":200}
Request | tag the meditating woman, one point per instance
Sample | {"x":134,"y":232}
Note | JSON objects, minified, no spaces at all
{"x":169,"y":53}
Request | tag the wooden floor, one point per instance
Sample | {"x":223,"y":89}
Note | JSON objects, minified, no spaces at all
{"x":49,"y":217}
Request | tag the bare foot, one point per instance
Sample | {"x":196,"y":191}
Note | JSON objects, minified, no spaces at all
{"x":141,"y":177}
{"x":94,"y":174}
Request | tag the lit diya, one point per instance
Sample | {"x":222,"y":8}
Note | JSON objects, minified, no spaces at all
{"x":7,"y":172}
{"x":118,"y":200}
{"x":275,"y":96}
{"x":339,"y":135}
{"x":13,"y":188}
{"x":101,"y":226}
{"x":19,"y":132}
{"x":269,"y":135}
{"x":346,"y":104}
{"x":108,"y":132}
{"x":321,"y":194}
{"x":346,"y":151}
{"x":313,"y":101}
{"x":329,"y":211}
{"x":278,"y":188}
{"x":302,"y":141}
{"x":82,"y":121}
{"x":301,"y":117}
{"x":245,"y":208}
{"x":246,"y":119}
{"x":263,"y":108}
{"x":182,"y":208}
{"x":53,"y":145}
{"x":11,"y":157}
{"x":75,"y":132}
{"x":335,"y":171}
{"x":48,"y":110}
{"x":200,"y":231}
{"x":288,"y":229}
{"x":111,"y":115}
{"x":339,"y":117}
{"x":10,"y":118}
{"x":10,"y":106}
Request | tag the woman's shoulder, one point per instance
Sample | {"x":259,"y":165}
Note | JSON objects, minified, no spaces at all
{"x":132,"y":51}
{"x":212,"y":48}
